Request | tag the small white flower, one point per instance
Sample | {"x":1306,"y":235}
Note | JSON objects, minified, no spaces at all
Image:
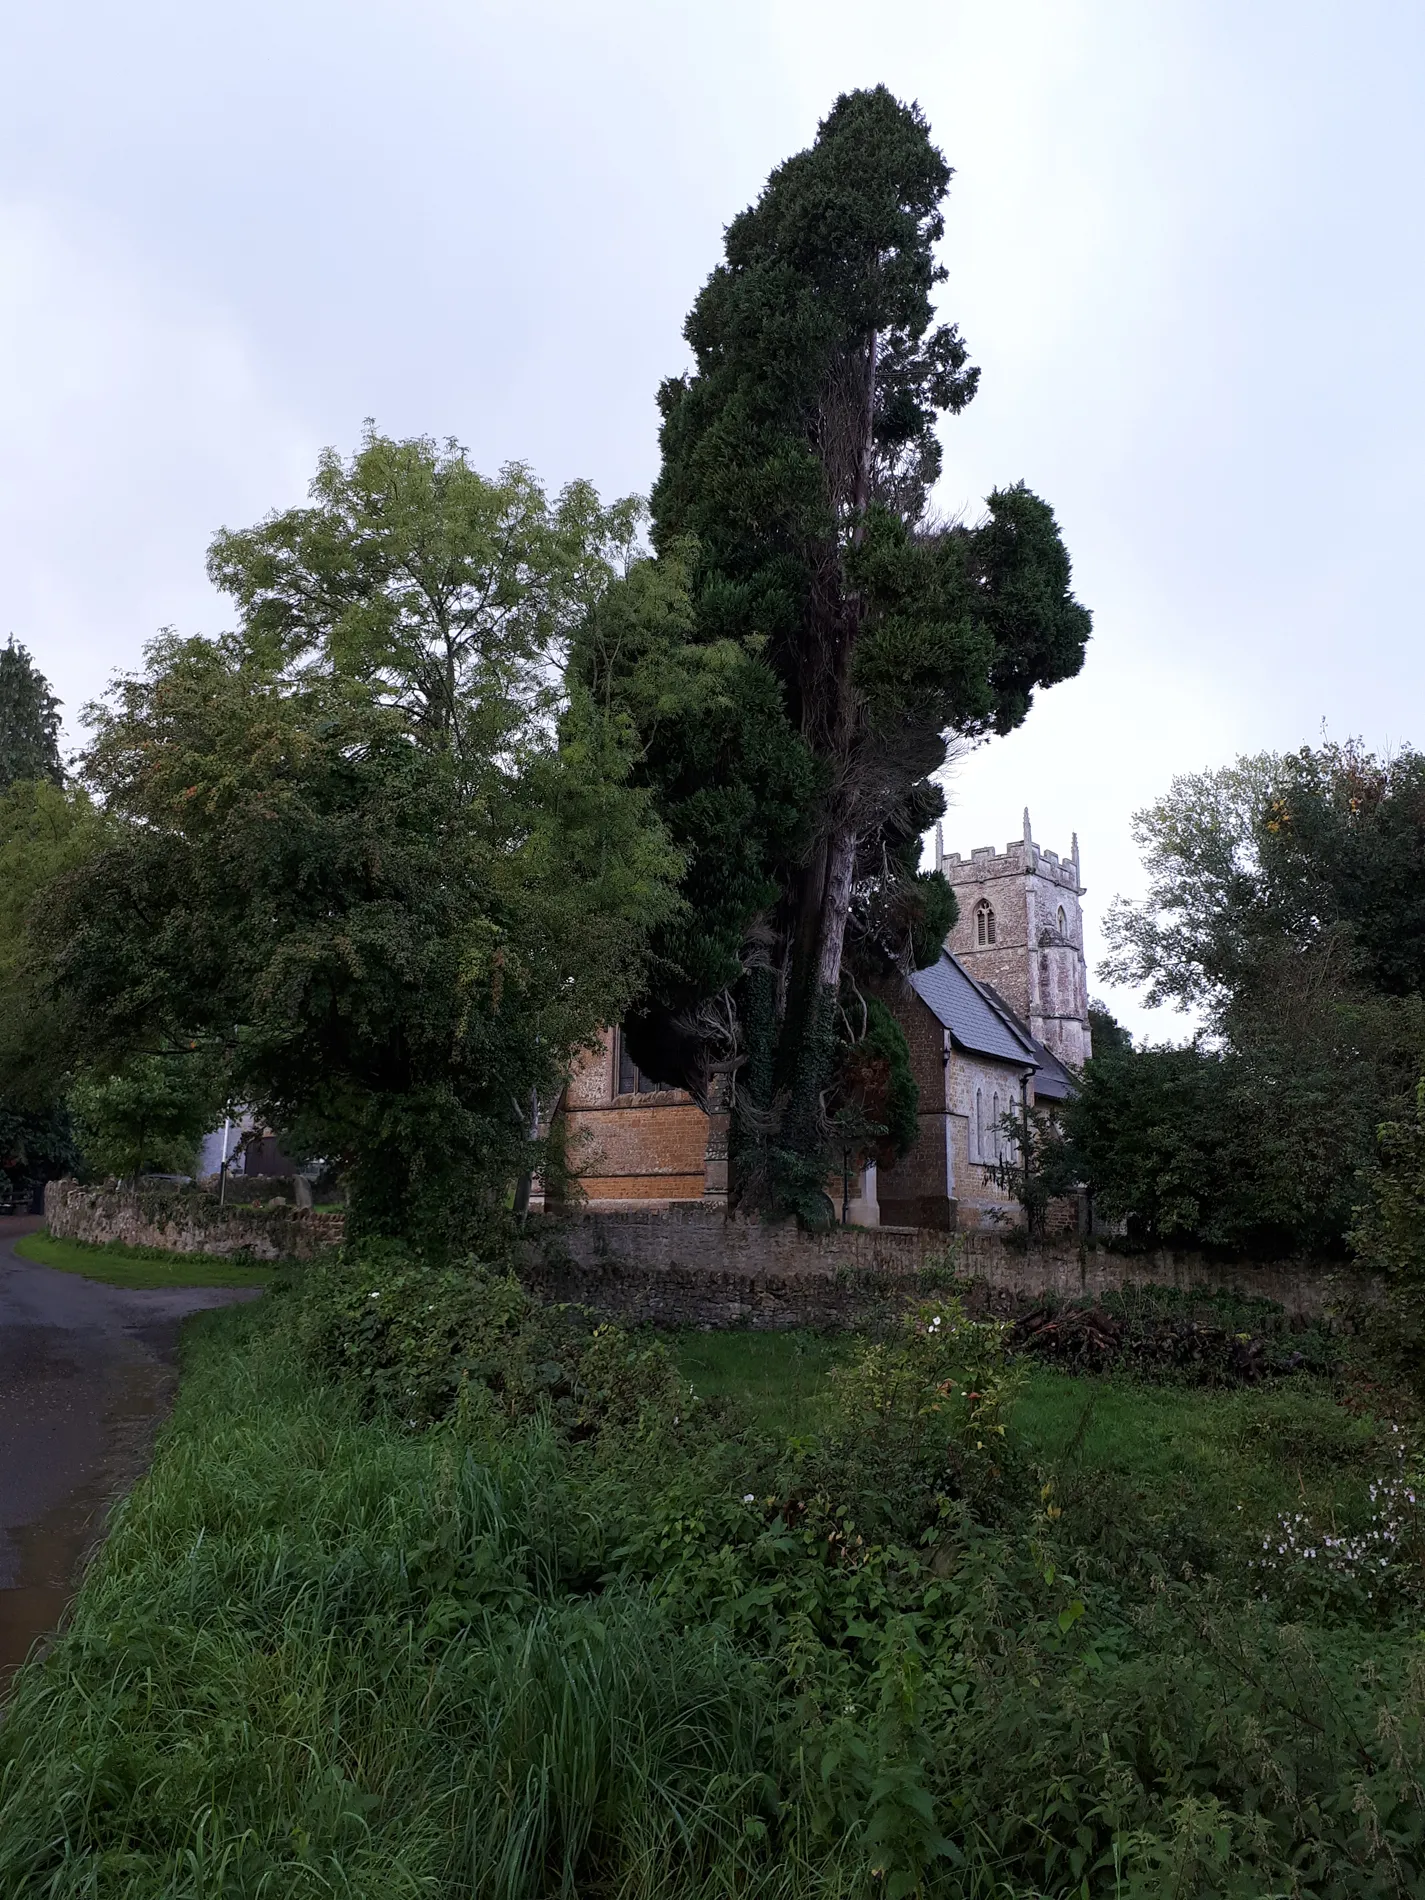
{"x":750,"y":1498}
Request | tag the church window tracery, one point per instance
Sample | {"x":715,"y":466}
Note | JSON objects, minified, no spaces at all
{"x":984,"y":923}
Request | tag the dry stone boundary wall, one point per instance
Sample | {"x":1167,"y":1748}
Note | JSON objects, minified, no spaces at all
{"x":188,"y":1223}
{"x":695,"y":1266}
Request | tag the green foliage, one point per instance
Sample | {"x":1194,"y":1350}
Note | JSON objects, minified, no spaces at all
{"x":29,"y":721}
{"x":1277,"y":906}
{"x":148,"y":1116}
{"x":47,"y":833}
{"x":1105,"y":1031}
{"x":1201,"y":932}
{"x":807,"y":637}
{"x":422,"y":1344}
{"x":775,"y":1380}
{"x":448,"y":591}
{"x":1282,"y":870}
{"x":920,"y":1421}
{"x":876,"y":1099}
{"x":517,"y":1654}
{"x":367,"y":850}
{"x":734,"y":784}
{"x":47,"y":830}
{"x":1037,"y":1165}
{"x":1389,"y":1231}
{"x":1340,"y":845}
{"x":1256,"y":1149}
{"x":36,"y":1145}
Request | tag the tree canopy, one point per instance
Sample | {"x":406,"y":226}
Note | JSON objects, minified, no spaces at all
{"x":809,"y":636}
{"x":1282,"y":906}
{"x":366,"y":853}
{"x":1306,"y":859}
{"x":29,"y":720}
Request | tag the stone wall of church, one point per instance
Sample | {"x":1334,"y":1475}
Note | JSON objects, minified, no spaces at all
{"x":941,"y":1183}
{"x":983,"y":1091}
{"x":1035,"y":959}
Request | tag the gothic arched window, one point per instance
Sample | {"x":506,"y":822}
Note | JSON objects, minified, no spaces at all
{"x":984,"y":923}
{"x":1063,"y":922}
{"x":979,"y":1153}
{"x":995,"y":1133}
{"x":630,"y":1078}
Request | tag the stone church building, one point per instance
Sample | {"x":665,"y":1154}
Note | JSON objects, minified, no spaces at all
{"x":999,"y":1023}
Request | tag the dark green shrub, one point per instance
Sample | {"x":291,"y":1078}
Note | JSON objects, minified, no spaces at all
{"x":421,"y":1343}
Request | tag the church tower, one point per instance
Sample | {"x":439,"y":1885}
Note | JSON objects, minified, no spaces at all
{"x":1021,"y":930}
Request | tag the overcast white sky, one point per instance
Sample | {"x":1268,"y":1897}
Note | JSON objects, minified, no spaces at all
{"x":1184,"y":244}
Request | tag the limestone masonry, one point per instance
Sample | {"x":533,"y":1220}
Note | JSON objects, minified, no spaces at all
{"x":1021,"y":929}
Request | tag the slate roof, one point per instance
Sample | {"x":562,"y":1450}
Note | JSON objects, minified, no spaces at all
{"x":975,"y":1024}
{"x":982,"y":1023}
{"x":1052,"y":1081}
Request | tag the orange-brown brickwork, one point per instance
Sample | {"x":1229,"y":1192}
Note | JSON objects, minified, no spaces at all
{"x":644,"y":1147}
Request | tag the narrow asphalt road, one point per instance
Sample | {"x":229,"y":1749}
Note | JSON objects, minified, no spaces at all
{"x":87,"y":1371}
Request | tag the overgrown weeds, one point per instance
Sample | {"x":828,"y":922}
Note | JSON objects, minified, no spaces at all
{"x":1200,"y":1338}
{"x":539,"y":1622}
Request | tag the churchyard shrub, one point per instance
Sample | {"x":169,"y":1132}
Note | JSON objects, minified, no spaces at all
{"x":420,"y":1344}
{"x":921,"y":1417}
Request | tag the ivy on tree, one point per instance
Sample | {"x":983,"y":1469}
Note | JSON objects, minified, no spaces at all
{"x":813,"y":634}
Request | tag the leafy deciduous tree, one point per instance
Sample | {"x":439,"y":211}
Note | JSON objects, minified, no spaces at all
{"x":147,"y":1116}
{"x":367,"y":848}
{"x":1282,"y":906}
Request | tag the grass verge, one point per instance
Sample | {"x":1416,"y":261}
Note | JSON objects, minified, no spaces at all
{"x":777,"y":1380}
{"x":350,"y":1640}
{"x":1230,"y":1461}
{"x":117,"y":1263}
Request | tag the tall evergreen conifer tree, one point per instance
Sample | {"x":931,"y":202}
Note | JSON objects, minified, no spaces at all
{"x":29,"y":720}
{"x":836,"y":635}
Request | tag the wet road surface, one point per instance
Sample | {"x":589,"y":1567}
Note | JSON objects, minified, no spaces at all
{"x":87,"y":1372}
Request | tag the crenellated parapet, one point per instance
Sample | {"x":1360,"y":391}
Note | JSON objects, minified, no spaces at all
{"x":1020,"y":930}
{"x":1021,"y":857}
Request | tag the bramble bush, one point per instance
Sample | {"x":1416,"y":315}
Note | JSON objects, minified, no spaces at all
{"x":920,"y":1419}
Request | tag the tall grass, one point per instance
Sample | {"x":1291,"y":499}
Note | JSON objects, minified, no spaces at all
{"x":318,"y":1656}
{"x":327,"y":1654}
